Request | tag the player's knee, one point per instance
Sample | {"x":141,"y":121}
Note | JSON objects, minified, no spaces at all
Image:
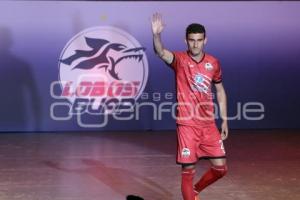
{"x":188,"y":171}
{"x":219,"y":171}
{"x":188,"y":166}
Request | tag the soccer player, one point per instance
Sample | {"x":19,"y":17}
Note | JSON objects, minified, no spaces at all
{"x":197,"y":134}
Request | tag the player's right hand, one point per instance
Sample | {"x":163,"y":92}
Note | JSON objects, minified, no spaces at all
{"x":224,"y":130}
{"x":157,"y":23}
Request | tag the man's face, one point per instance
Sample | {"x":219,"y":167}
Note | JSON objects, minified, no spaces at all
{"x":195,"y":43}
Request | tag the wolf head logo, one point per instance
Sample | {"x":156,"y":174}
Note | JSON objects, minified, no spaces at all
{"x":103,"y":63}
{"x":107,"y":59}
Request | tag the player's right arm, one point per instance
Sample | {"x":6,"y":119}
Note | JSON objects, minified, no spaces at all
{"x":157,"y":28}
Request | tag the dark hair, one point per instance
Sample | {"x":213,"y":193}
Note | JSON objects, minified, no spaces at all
{"x":195,"y":28}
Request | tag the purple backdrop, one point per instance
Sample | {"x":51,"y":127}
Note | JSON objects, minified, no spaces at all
{"x":256,"y":42}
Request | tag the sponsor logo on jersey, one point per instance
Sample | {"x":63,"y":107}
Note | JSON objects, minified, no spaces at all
{"x":201,"y":83}
{"x":190,"y":65}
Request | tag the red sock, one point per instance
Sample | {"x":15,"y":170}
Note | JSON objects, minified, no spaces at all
{"x":187,"y":189}
{"x":212,"y":175}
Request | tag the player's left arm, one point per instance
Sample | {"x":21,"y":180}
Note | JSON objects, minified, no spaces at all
{"x":222,"y":101}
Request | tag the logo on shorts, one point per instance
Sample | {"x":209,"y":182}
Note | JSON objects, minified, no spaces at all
{"x":185,"y":152}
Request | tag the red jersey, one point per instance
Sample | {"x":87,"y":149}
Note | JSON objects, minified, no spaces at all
{"x":193,"y":83}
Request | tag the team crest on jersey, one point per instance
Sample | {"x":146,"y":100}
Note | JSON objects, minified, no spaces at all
{"x":208,"y":66}
{"x":185,"y":152}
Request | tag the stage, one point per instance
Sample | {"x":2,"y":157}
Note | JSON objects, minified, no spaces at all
{"x":263,"y":165}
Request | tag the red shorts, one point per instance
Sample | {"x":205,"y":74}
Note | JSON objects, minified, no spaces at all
{"x":194,"y":143}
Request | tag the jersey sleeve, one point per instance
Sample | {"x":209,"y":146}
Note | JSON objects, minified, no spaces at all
{"x":217,"y":78}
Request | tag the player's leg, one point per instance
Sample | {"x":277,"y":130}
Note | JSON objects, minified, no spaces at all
{"x":186,"y":156}
{"x":187,"y":177}
{"x":217,"y":170}
{"x":211,"y":147}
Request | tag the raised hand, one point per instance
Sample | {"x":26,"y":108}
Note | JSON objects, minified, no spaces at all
{"x":157,"y":24}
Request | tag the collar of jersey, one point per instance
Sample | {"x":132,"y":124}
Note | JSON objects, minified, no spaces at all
{"x":195,"y":60}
